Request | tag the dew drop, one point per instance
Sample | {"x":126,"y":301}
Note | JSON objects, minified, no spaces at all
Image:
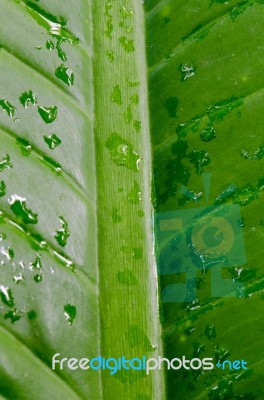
{"x":128,"y":115}
{"x":126,"y":277}
{"x":49,"y":45}
{"x":134,"y":196}
{"x":116,"y":217}
{"x":62,"y":234}
{"x":208,"y":134}
{"x":7,"y":252}
{"x":171,"y":105}
{"x":32,"y":314}
{"x":52,"y":141}
{"x":127,"y":44}
{"x":28,"y":98}
{"x":48,"y":114}
{"x":18,"y":278}
{"x":70,"y":313}
{"x":5,"y":163}
{"x":134,"y":99}
{"x":19,"y":207}
{"x":37,"y":278}
{"x":137,"y":253}
{"x":2,"y":188}
{"x":2,"y":236}
{"x":126,"y":13}
{"x":187,"y":71}
{"x":24,"y":145}
{"x":65,"y":74}
{"x":8,"y":107}
{"x":110,"y":56}
{"x":52,"y":164}
{"x":137,"y":125}
{"x":210,"y":331}
{"x":122,"y":152}
{"x":13,"y":315}
{"x":7,"y":296}
{"x":133,"y":83}
{"x":61,"y":53}
{"x":116,"y":96}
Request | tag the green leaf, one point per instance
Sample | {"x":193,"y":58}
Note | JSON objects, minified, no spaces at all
{"x":78,"y":275}
{"x":206,"y":108}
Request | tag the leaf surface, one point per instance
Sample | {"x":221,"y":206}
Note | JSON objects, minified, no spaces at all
{"x":206,"y":100}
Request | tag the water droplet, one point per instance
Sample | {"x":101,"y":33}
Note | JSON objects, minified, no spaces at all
{"x":126,"y":277}
{"x":137,"y":125}
{"x":19,"y":207}
{"x":116,"y":96}
{"x":122,"y":152}
{"x":137,"y":253}
{"x":5,"y":163}
{"x":208,"y":134}
{"x":36,"y":265}
{"x":110,"y":56}
{"x":52,"y":164}
{"x":70,"y":313}
{"x":210,"y":331}
{"x":171,"y":105}
{"x":221,"y":354}
{"x":128,"y":115}
{"x":126,"y":13}
{"x":257,"y":155}
{"x":134,"y":99}
{"x":48,"y":114}
{"x":50,"y":45}
{"x":189,"y":330}
{"x":8,"y":107}
{"x":18,"y":278}
{"x":134,"y":196}
{"x":13,"y":315}
{"x":32,"y":314}
{"x":65,"y":74}
{"x":28,"y":98}
{"x":187,"y":71}
{"x":52,"y":141}
{"x":2,"y":236}
{"x":64,"y":260}
{"x":37,"y":278}
{"x":218,"y":111}
{"x":239,"y":9}
{"x":133,"y":83}
{"x":37,"y":242}
{"x":166,"y":20}
{"x":62,"y":234}
{"x":24,"y":145}
{"x":61,"y":53}
{"x":7,"y":296}
{"x":127,"y":44}
{"x":200,"y":159}
{"x":109,"y":25}
{"x":55,"y":26}
{"x":2,"y":188}
{"x":116,"y":217}
{"x":7,"y":252}
{"x":198,"y":348}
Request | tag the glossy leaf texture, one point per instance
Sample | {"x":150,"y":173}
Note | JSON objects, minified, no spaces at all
{"x":77,"y":275}
{"x":206,"y":106}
